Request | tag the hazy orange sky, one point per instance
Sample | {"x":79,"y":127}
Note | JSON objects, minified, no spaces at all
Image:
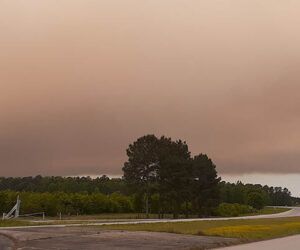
{"x":81,"y":79}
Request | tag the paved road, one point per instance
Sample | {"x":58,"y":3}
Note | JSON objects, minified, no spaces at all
{"x":5,"y":243}
{"x":288,"y":243}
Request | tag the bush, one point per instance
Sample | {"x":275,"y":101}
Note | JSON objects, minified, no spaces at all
{"x":255,"y":200}
{"x":232,"y":210}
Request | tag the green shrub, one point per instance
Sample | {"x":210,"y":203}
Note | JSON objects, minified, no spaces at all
{"x":232,"y":210}
{"x":67,"y":203}
{"x":255,"y":200}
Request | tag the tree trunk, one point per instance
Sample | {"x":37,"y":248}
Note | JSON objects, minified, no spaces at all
{"x":186,"y":210}
{"x":147,"y":205}
{"x":200,"y":212}
{"x":176,"y":211}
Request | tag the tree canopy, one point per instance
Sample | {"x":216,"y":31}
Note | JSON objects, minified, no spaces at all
{"x":165,"y":167}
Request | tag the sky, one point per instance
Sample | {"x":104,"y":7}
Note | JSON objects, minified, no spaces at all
{"x":81,"y":79}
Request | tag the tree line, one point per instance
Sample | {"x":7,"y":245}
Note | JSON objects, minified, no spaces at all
{"x":53,"y":184}
{"x":67,"y":203}
{"x":251,"y":194}
{"x":99,"y":203}
{"x":160,"y":176}
{"x":228,"y":192}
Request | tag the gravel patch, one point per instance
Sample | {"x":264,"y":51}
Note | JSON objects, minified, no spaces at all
{"x":78,"y":238}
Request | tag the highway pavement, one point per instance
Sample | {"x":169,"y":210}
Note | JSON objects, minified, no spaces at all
{"x":285,"y":243}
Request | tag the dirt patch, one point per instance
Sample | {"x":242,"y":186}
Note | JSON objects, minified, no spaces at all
{"x":93,"y":238}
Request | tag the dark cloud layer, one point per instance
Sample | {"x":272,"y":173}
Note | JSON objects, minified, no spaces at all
{"x":80,"y":80}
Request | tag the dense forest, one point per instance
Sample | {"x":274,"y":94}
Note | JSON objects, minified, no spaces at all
{"x":228,"y":192}
{"x":84,"y":195}
{"x":85,"y":185}
{"x":160,"y":177}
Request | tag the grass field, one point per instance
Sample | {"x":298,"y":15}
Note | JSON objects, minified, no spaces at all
{"x":243,"y":229}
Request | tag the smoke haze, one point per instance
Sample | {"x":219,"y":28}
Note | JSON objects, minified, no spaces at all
{"x":81,"y":79}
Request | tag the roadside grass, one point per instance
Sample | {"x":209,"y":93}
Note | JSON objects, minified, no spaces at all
{"x":17,"y":223}
{"x":125,"y":216}
{"x":129,"y":216}
{"x":268,"y":210}
{"x":14,"y":223}
{"x":252,"y":229}
{"x":82,"y":219}
{"x":105,"y":216}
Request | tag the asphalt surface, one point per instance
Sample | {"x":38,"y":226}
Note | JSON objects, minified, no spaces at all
{"x":288,"y":243}
{"x":5,"y":243}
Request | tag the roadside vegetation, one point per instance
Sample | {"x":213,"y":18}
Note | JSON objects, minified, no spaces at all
{"x":118,"y":216}
{"x":252,"y":229}
{"x":102,"y":218}
{"x":134,"y":216}
{"x":160,"y":177}
{"x":269,"y":210}
{"x":114,"y":206}
{"x":233,"y":210}
{"x":18,"y":222}
{"x":14,"y":223}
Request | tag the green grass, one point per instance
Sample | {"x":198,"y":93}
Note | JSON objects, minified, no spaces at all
{"x":243,"y":229}
{"x":81,"y":219}
{"x":128,"y":216}
{"x":119,"y":216}
{"x":269,"y":210}
{"x":108,"y":216}
{"x":96,"y":217}
{"x":14,"y":223}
